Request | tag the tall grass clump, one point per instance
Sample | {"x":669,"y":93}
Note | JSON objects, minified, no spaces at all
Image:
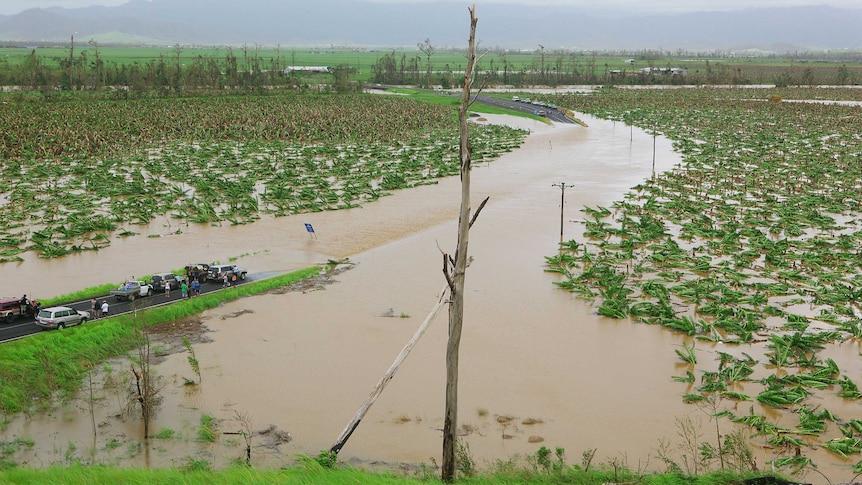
{"x":312,"y":473}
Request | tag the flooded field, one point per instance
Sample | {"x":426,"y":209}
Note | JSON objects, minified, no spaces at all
{"x":538,"y":368}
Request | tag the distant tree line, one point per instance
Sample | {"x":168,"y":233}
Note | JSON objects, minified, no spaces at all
{"x":245,"y":70}
{"x":574,"y":68}
{"x":168,"y":74}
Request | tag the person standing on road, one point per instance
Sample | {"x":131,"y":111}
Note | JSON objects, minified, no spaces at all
{"x":104,"y":308}
{"x":225,"y":282}
{"x":94,"y":308}
{"x":167,"y":288}
{"x":184,"y":289}
{"x":196,"y":287}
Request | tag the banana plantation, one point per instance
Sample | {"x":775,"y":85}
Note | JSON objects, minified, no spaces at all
{"x":752,"y":247}
{"x":79,"y":173}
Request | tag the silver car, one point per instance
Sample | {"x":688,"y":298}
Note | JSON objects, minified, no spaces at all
{"x":60,"y":317}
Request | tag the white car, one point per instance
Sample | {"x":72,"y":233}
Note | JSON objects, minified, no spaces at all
{"x":60,"y":317}
{"x":218,"y":271}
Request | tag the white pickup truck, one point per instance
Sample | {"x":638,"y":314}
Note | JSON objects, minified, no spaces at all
{"x":131,"y":290}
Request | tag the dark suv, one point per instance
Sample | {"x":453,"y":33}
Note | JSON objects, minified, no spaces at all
{"x":157,"y":281}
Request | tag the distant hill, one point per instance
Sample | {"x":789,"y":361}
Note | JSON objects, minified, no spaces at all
{"x":343,"y":22}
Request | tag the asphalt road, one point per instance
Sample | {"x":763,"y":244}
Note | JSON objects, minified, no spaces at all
{"x":554,"y":115}
{"x":23,"y":327}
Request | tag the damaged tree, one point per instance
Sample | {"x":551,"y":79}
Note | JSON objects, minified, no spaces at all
{"x":454,"y":268}
{"x":145,"y":394}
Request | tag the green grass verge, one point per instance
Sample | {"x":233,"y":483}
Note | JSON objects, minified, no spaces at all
{"x":34,"y":369}
{"x":312,"y":474}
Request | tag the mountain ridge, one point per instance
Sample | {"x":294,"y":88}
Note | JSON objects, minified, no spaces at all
{"x":344,"y":22}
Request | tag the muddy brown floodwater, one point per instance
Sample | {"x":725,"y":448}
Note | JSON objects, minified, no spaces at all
{"x":538,"y":366}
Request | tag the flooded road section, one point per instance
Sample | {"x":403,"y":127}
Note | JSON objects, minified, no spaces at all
{"x":538,"y":366}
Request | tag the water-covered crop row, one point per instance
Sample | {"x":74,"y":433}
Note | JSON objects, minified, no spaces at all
{"x":755,"y":241}
{"x":77,"y":174}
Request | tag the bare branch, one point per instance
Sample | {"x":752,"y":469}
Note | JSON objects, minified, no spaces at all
{"x":476,"y":214}
{"x":449,"y":279}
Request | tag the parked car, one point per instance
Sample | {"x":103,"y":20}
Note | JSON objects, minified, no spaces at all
{"x":515,"y":98}
{"x":157,"y":281}
{"x":131,"y":290}
{"x":217,"y":272}
{"x":60,"y":317}
{"x":197,"y":271}
{"x":12,"y":308}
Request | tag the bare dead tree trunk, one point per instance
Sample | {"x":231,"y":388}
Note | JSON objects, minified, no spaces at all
{"x":146,"y":390}
{"x":147,"y":387}
{"x":458,"y":266}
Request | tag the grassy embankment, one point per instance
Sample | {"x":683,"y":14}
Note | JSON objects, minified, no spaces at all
{"x":313,"y":474}
{"x":35,"y":369}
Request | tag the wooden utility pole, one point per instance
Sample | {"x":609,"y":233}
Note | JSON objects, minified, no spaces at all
{"x":458,"y":267}
{"x":562,"y":186}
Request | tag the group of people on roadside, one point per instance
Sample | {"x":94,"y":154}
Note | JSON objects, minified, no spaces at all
{"x":226,"y":280}
{"x":98,"y":309}
{"x":30,"y":307}
{"x":187,"y":290}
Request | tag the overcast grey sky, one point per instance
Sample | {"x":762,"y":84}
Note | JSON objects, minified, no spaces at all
{"x":663,"y":6}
